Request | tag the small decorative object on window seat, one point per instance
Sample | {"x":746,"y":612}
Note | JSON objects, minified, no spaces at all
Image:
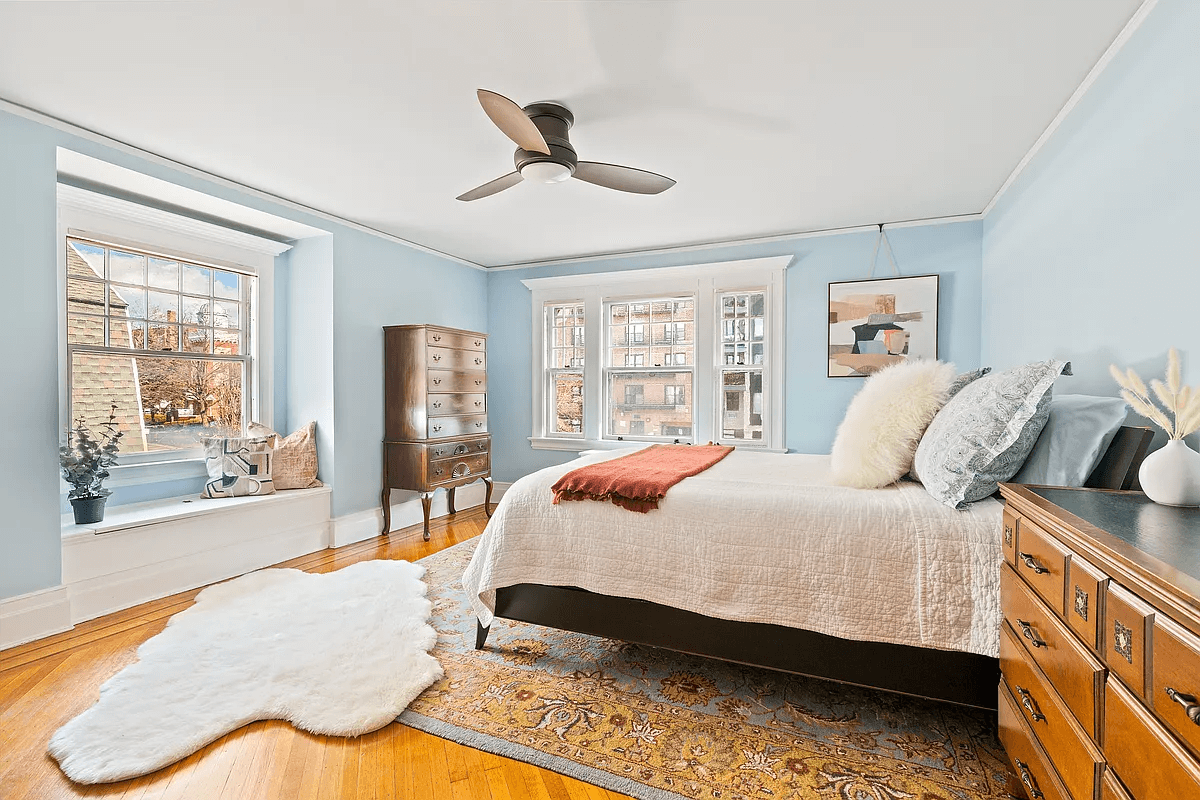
{"x":639,"y":480}
{"x":1170,"y":476}
{"x":237,"y":467}
{"x":85,"y":460}
{"x":294,"y":457}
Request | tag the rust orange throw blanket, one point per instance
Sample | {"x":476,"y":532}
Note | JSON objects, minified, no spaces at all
{"x":639,"y":480}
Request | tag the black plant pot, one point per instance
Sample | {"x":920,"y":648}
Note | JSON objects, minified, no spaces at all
{"x":88,"y":509}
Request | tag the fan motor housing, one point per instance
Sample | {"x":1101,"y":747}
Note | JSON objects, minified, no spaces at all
{"x":553,"y":121}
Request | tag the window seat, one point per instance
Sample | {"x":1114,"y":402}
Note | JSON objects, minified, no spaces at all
{"x":144,"y":551}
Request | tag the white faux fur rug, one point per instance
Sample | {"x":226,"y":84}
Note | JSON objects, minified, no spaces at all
{"x":337,"y":653}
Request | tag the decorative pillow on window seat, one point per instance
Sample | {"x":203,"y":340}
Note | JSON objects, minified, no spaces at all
{"x":295,"y":456}
{"x":884,"y":422}
{"x":238,"y":467}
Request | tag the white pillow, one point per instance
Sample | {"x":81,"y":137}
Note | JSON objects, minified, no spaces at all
{"x":883,"y":425}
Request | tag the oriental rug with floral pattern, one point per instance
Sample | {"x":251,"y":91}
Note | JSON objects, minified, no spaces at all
{"x":658,"y":725}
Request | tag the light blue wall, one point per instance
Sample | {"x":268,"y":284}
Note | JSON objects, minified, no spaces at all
{"x":371,"y":292}
{"x":309,"y":334}
{"x":371,"y":282}
{"x":29,"y":533}
{"x":1092,"y":255}
{"x":815,"y":404}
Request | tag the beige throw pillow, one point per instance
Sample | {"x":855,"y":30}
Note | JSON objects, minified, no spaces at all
{"x":883,"y":425}
{"x":294,"y":463}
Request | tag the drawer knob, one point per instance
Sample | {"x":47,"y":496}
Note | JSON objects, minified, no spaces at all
{"x":439,"y":471}
{"x":1030,"y":782}
{"x":1188,"y":701}
{"x":478,"y":424}
{"x":437,"y":381}
{"x":479,"y":361}
{"x":478,"y":403}
{"x":478,"y":383}
{"x":1032,"y":563}
{"x":437,"y":428}
{"x":437,"y":358}
{"x":437,"y":338}
{"x":1031,"y":705}
{"x":477,"y":343}
{"x":438,"y":404}
{"x":458,"y":451}
{"x":1028,"y":633}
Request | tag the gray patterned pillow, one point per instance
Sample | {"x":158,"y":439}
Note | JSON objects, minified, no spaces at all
{"x":984,"y":434}
{"x":237,"y":467}
{"x":965,"y":378}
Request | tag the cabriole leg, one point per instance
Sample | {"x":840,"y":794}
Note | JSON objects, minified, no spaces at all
{"x":426,"y":502}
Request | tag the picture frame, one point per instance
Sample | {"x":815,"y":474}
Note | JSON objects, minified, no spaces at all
{"x":880,"y":321}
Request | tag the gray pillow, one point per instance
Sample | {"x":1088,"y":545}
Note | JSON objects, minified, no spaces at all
{"x":1077,"y":433}
{"x":963,"y":379}
{"x":984,"y":434}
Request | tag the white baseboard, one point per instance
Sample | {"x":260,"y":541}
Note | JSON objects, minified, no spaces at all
{"x":106,"y":572}
{"x":406,"y":510}
{"x":32,"y":616}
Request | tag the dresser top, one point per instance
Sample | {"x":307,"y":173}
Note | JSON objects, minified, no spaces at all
{"x":1169,"y":534}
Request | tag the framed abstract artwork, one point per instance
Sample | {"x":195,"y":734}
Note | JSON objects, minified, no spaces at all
{"x":877,"y":322}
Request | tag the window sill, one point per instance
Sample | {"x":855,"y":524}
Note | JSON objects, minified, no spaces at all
{"x":124,"y":475}
{"x":581,"y":445}
{"x":139,"y":515}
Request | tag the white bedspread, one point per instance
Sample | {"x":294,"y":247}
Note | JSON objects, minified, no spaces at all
{"x":763,"y":538}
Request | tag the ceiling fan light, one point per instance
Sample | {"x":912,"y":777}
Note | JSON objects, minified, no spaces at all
{"x":545,"y":172}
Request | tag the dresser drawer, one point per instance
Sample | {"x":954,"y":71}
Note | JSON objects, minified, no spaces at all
{"x":1028,"y":758}
{"x":1084,"y":583}
{"x":1176,"y":666}
{"x":445,"y":358}
{"x":1042,"y":562}
{"x":441,"y":380}
{"x":1076,"y":758}
{"x":452,"y":469}
{"x":1111,"y":788}
{"x":445,"y":427}
{"x":450,"y":449}
{"x":458,"y":341}
{"x":1127,"y":623}
{"x":1009,"y":536}
{"x":441,"y":405}
{"x":1151,"y":764}
{"x":1074,"y":672}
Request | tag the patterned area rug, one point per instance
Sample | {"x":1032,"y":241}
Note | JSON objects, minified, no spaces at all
{"x":659,"y":725}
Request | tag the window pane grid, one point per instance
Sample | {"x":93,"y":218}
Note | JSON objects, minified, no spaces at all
{"x":564,"y":360}
{"x":649,"y":359}
{"x":743,"y":328}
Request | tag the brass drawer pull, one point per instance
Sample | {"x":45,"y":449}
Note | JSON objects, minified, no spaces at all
{"x":481,"y":446}
{"x":437,"y":381}
{"x":1188,"y":701}
{"x":458,"y":451}
{"x":1031,"y":705}
{"x":437,"y":338}
{"x":438,"y":404}
{"x":478,"y":383}
{"x":439,"y":471}
{"x":477,"y":343}
{"x":479,"y":361}
{"x":1029,"y":781}
{"x":1032,"y":563}
{"x":1027,"y":632}
{"x":478,"y":403}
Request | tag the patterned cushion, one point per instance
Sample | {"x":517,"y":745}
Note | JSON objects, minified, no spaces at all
{"x":961,"y":381}
{"x":294,"y":465}
{"x":984,"y":434}
{"x":237,"y":467}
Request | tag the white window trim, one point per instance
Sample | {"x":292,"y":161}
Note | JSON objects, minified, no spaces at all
{"x":119,"y":222}
{"x":703,"y":281}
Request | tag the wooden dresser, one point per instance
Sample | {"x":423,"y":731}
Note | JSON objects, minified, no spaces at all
{"x":435,"y":414}
{"x":1100,"y":645}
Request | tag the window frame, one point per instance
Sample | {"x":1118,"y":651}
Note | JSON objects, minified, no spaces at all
{"x":121,"y":224}
{"x":705,"y":283}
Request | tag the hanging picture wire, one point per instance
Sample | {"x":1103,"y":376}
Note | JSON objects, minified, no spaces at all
{"x":882,"y":239}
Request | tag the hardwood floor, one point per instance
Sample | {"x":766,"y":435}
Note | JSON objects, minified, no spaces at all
{"x":45,"y":683}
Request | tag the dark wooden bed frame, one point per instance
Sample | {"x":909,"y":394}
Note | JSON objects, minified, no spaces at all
{"x":964,"y":678}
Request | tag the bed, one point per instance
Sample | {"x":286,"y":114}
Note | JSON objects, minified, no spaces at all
{"x":762,"y":560}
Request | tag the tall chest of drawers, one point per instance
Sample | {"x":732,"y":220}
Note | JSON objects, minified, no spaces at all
{"x":435,"y":414}
{"x":1100,"y":645}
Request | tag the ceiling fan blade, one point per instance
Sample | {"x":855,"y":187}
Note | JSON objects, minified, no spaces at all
{"x":624,"y":179}
{"x":491,"y":187}
{"x":512,"y":121}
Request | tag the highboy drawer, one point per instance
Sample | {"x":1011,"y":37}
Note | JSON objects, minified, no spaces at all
{"x":441,"y":380}
{"x":445,"y":427}
{"x":1028,"y":758}
{"x":1079,"y":762}
{"x":452,"y":469}
{"x":1075,"y":672}
{"x":445,"y":358}
{"x":1151,"y":764}
{"x":441,"y":405}
{"x":459,"y":341}
{"x":1127,"y":622}
{"x":1176,"y":684}
{"x":1042,"y":562}
{"x":451,"y":449}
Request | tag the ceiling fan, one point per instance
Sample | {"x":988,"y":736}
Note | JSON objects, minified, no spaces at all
{"x":545,"y":155}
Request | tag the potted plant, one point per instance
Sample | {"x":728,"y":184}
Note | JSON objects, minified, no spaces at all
{"x":85,"y":460}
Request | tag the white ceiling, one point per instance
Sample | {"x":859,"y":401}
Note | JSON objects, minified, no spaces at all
{"x":773,"y":117}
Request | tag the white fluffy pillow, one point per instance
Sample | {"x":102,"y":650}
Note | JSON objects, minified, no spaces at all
{"x":883,"y":425}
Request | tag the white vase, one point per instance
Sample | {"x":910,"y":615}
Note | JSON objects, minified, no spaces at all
{"x":1171,"y":476}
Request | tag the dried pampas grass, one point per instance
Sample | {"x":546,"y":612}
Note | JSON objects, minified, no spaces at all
{"x":1180,"y":415}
